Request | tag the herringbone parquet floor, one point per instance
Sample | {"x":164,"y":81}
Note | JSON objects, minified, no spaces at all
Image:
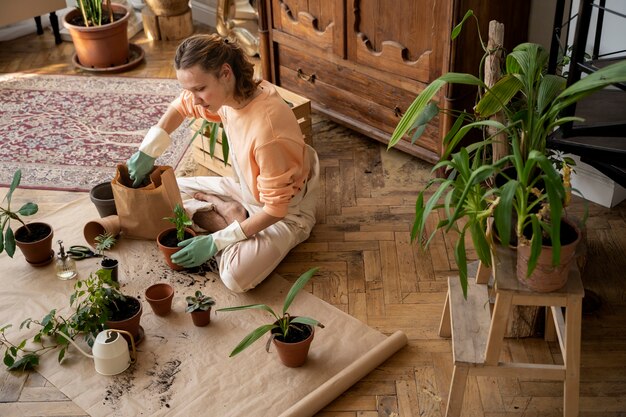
{"x":371,"y":270}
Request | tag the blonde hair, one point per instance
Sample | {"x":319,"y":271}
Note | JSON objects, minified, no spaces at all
{"x":211,"y":52}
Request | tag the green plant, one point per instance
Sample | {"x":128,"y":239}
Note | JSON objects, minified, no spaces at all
{"x":104,"y":241}
{"x":211,"y":130}
{"x":7,"y":238}
{"x":92,"y":12}
{"x":180,"y":221}
{"x":91,"y":304}
{"x":282,"y":323}
{"x":531,"y":102}
{"x":198,"y":302}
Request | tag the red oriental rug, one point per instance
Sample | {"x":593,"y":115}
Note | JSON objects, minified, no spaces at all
{"x":69,"y":132}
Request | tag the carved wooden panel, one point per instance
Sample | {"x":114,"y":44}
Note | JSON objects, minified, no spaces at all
{"x":394,"y":36}
{"x":317,"y":22}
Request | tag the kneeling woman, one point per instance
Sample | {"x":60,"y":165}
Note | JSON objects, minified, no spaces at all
{"x":254,"y":219}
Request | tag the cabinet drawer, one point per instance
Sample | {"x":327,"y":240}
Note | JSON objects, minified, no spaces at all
{"x":368,"y":104}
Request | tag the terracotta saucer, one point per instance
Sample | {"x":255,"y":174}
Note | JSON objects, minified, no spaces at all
{"x":43,"y":263}
{"x":134,"y":59}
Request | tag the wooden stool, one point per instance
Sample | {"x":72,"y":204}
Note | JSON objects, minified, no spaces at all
{"x":477,"y":335}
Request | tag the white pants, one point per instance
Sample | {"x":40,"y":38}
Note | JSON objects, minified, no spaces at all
{"x":243,"y":265}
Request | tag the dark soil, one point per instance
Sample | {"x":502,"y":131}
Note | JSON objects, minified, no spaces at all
{"x":125,"y":309}
{"x":297,"y":333}
{"x":568,"y":235}
{"x":78,"y":19}
{"x":32,"y":232}
{"x":108,"y":262}
{"x":169,"y":239}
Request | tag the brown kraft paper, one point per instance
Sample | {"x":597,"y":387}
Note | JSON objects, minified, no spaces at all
{"x":142,"y":210}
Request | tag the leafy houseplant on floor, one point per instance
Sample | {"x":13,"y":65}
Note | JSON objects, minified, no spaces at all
{"x":531,"y":102}
{"x":199,"y":306}
{"x":94,"y":302}
{"x":292,"y":335}
{"x":34,"y":239}
{"x":99,"y":33}
{"x":169,"y":239}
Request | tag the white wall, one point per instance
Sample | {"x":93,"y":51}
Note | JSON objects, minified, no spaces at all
{"x":203,"y":11}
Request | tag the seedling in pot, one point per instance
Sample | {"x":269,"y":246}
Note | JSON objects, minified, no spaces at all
{"x":181,"y":221}
{"x":282,"y":326}
{"x":104,"y":242}
{"x":7,"y":237}
{"x":199,"y":305}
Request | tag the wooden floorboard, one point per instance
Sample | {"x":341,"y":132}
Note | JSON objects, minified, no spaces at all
{"x":370,"y":269}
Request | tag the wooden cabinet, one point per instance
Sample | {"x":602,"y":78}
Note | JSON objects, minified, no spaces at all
{"x":362,"y":62}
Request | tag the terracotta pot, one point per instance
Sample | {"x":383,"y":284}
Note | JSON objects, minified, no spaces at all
{"x":168,"y":7}
{"x":94,"y":228}
{"x":101,"y":46}
{"x":201,"y":318}
{"x":35,"y":242}
{"x":547,"y":277}
{"x":294,"y":355}
{"x":130,"y":324}
{"x":102,"y":197}
{"x":160,"y":296}
{"x":168,"y":251}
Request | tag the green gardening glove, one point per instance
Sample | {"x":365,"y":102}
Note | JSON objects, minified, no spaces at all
{"x":139,"y":165}
{"x":199,"y":249}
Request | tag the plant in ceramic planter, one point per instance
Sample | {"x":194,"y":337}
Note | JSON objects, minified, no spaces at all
{"x":95,"y":301}
{"x":531,"y":102}
{"x":169,"y":239}
{"x":104,"y":242}
{"x":34,"y":239}
{"x":292,"y":335}
{"x":199,"y":306}
{"x":99,"y":32}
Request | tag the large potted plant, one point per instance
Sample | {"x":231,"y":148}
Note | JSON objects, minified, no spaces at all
{"x":99,"y":32}
{"x":33,"y":239}
{"x":292,"y":335}
{"x":530,"y":198}
{"x":96,"y":303}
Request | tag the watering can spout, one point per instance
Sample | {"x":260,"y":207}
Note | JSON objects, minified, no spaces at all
{"x":69,"y":339}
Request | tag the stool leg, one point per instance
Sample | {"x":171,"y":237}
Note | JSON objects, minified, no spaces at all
{"x":571,"y":386}
{"x":54,"y":22}
{"x":445,"y":326}
{"x":457,"y":391}
{"x":38,"y":24}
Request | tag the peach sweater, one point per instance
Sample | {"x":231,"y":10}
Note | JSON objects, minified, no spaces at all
{"x":267,"y":142}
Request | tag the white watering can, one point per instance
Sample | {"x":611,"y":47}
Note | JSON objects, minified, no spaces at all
{"x":110,"y":351}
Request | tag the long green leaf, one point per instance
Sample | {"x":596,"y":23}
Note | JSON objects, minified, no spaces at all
{"x":461,"y":262}
{"x":612,"y":74}
{"x":17,"y":177}
{"x":504,"y":211}
{"x":307,"y":320}
{"x":251,"y":307}
{"x":9,"y":242}
{"x":252,"y":337}
{"x":498,"y":96}
{"x":297,"y":286}
{"x":457,"y":29}
{"x":535,"y":245}
{"x":481,"y":244}
{"x":549,"y":88}
{"x":225,"y":147}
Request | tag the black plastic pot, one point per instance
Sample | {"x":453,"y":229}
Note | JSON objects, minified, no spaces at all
{"x":102,"y":197}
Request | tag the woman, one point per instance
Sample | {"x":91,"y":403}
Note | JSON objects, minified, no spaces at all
{"x":256,"y":218}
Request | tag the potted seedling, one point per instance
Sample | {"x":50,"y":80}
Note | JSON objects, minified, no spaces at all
{"x":292,"y":335}
{"x":34,"y":239}
{"x":199,"y":305}
{"x":104,"y":242}
{"x":96,"y":303}
{"x":169,"y":239}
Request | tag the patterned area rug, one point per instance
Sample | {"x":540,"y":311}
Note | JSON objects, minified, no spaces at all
{"x":69,"y":132}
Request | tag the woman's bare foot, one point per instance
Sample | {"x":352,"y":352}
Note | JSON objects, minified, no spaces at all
{"x":223,"y":214}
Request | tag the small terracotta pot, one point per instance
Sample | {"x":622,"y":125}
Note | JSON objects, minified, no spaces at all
{"x":160,"y":296}
{"x":294,"y":355}
{"x":37,"y":252}
{"x":94,"y":228}
{"x":168,"y":251}
{"x":101,"y":196}
{"x":201,"y":318}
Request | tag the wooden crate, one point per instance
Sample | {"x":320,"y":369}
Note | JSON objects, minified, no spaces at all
{"x":301,"y":108}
